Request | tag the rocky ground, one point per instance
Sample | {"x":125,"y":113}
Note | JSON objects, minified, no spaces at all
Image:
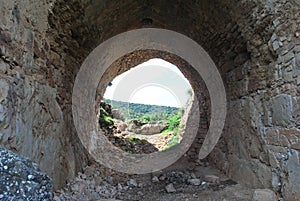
{"x":134,"y":136}
{"x":20,"y":179}
{"x":183,"y":181}
{"x":159,"y":141}
{"x":201,"y":183}
{"x":122,"y":141}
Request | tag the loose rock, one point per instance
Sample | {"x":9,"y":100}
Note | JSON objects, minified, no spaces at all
{"x":211,"y":179}
{"x":170,"y":188}
{"x":264,"y":194}
{"x":20,"y":179}
{"x":194,"y":182}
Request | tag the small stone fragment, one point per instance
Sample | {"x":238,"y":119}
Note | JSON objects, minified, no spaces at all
{"x":275,"y":45}
{"x":162,"y":178}
{"x":211,"y":179}
{"x":132,"y":183}
{"x":276,"y":23}
{"x":120,"y":187}
{"x":170,"y":188}
{"x":194,"y":182}
{"x":30,"y":177}
{"x":155,"y":179}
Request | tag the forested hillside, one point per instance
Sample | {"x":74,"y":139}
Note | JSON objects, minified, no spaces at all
{"x":143,"y":112}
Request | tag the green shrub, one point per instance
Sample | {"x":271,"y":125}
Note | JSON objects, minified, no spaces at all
{"x":175,"y":127}
{"x":104,"y":118}
{"x":145,"y":119}
{"x":135,"y":140}
{"x":173,"y":123}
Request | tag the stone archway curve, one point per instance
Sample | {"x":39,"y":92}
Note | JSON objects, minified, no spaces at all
{"x":99,"y":60}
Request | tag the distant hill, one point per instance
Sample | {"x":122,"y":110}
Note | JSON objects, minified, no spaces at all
{"x":143,"y":112}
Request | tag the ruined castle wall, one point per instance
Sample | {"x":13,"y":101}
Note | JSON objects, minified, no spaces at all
{"x":32,"y":121}
{"x":262,"y":127}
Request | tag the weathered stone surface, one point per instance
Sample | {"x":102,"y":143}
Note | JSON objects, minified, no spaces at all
{"x":211,"y":178}
{"x":32,"y":122}
{"x":297,"y":60}
{"x":264,"y":194}
{"x":282,"y":110}
{"x":145,"y":129}
{"x":296,"y":110}
{"x":292,"y":183}
{"x":5,"y":106}
{"x":149,"y":129}
{"x":195,"y":182}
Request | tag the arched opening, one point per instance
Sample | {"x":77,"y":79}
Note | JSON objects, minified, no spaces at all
{"x":145,"y":109}
{"x":100,"y":67}
{"x":253,"y":43}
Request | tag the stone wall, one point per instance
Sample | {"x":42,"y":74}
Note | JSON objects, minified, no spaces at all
{"x":262,"y":128}
{"x":32,"y":121}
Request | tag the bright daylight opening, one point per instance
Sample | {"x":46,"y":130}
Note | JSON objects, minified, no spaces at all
{"x":143,"y":109}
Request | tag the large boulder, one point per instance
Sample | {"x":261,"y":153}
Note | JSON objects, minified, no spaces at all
{"x":117,"y":115}
{"x":152,"y":128}
{"x":20,"y":179}
{"x":146,"y":128}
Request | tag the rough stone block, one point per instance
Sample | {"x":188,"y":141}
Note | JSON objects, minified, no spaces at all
{"x":292,"y":135}
{"x":282,"y":110}
{"x":246,"y":172}
{"x":4,"y":93}
{"x":275,"y":45}
{"x":291,"y":185}
{"x":273,"y":160}
{"x":264,"y":194}
{"x":278,"y":137}
{"x":272,"y":136}
{"x":3,"y":66}
{"x":5,"y":36}
{"x":296,"y":146}
{"x":288,"y":74}
{"x":288,"y":57}
{"x":211,"y":178}
{"x":298,"y":79}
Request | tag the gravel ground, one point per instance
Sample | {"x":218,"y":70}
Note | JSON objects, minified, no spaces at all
{"x":20,"y":179}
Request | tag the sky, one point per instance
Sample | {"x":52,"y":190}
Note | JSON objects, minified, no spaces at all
{"x":155,"y":82}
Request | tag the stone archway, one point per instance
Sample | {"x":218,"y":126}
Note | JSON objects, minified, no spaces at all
{"x":98,"y":62}
{"x":255,"y":45}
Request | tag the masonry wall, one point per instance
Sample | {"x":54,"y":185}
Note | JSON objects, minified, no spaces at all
{"x":33,"y":120}
{"x":261,"y":137}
